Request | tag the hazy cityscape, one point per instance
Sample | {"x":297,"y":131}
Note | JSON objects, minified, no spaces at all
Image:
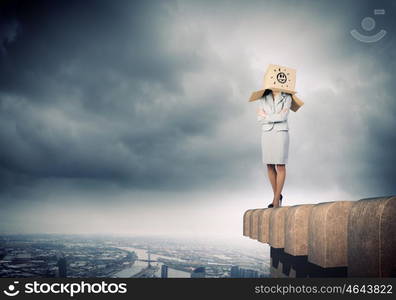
{"x":78,"y":256}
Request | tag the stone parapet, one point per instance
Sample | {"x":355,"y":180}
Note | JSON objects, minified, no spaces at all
{"x":328,"y":239}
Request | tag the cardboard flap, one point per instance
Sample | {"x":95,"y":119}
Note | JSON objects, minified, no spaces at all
{"x":296,"y":103}
{"x":256,"y":95}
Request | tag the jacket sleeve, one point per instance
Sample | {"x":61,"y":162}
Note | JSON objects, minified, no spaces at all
{"x":260,"y":119}
{"x":282,"y":115}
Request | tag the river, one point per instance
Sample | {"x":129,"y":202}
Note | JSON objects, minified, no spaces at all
{"x":139,"y":265}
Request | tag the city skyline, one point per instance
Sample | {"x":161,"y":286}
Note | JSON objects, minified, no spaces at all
{"x":77,"y":256}
{"x":132,"y":118}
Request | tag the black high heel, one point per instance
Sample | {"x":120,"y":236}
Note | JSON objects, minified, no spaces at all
{"x":280,"y":202}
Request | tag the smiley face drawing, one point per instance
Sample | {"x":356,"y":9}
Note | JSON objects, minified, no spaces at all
{"x":11,"y":290}
{"x":281,"y":77}
{"x":368,"y":24}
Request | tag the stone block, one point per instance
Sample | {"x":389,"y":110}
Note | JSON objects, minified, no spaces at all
{"x":254,"y":223}
{"x":246,"y":222}
{"x":296,"y":229}
{"x":327,"y":234}
{"x":372,"y":238}
{"x":277,"y":227}
{"x":264,"y":225}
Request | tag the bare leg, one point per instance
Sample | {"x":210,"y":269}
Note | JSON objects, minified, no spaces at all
{"x":280,"y":180}
{"x":272,"y":177}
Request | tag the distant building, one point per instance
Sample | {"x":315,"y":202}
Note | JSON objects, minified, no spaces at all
{"x":198,"y":273}
{"x":164,"y":271}
{"x":234,"y":272}
{"x":243,"y":273}
{"x":62,"y":266}
{"x":251,"y":273}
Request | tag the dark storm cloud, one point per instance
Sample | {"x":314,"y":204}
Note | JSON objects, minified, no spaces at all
{"x":152,"y":94}
{"x":91,"y":89}
{"x":371,"y":148}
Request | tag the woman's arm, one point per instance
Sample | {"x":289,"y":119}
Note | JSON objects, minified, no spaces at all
{"x":261,"y":113}
{"x":261,"y":117}
{"x":278,"y":117}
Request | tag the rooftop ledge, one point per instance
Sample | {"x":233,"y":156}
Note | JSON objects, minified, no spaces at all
{"x":329,"y":239}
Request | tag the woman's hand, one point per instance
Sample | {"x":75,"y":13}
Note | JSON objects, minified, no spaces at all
{"x":261,"y":112}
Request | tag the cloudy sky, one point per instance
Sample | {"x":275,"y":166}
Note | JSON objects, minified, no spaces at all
{"x":132,"y":118}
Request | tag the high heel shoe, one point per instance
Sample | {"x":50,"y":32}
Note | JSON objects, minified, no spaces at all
{"x":280,"y":202}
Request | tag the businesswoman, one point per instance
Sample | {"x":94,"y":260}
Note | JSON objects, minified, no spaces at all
{"x":272,"y":114}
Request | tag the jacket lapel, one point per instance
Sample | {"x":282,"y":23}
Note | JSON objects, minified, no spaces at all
{"x":271,"y":104}
{"x":281,"y":98}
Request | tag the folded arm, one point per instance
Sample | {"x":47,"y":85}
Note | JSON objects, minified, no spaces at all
{"x":262,"y":120}
{"x":276,"y":117}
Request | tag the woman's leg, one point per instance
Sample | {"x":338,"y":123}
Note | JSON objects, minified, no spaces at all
{"x":272,"y":177}
{"x":280,"y":180}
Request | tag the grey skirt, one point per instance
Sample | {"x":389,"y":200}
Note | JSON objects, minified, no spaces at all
{"x":275,"y":146}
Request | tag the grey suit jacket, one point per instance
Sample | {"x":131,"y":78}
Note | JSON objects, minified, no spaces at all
{"x":276,"y":118}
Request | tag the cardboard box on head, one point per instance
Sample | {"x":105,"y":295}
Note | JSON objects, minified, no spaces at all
{"x":279,"y":78}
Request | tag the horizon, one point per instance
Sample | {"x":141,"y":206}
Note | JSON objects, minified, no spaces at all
{"x":132,"y":117}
